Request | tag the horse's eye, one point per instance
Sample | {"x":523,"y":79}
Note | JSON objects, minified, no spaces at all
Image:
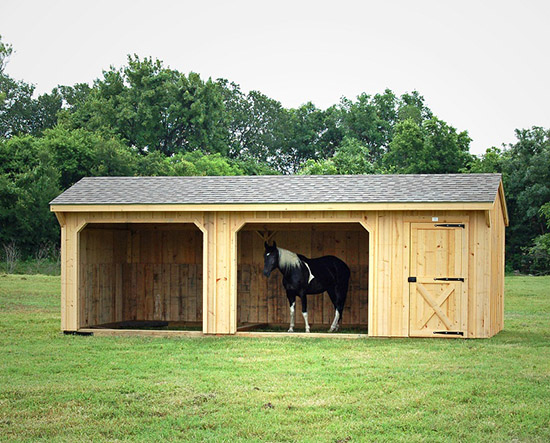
{"x":267,"y":254}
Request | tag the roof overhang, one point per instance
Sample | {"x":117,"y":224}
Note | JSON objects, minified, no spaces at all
{"x":503,"y":206}
{"x":405,"y":206}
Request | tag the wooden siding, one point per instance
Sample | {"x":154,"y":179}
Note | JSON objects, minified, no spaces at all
{"x":389,"y":258}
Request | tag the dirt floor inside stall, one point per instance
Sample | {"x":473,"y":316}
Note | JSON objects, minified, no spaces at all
{"x":262,"y":305}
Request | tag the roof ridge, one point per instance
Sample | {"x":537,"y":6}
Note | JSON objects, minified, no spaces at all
{"x":292,"y":176}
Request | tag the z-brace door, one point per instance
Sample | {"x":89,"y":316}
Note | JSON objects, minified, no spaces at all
{"x":438,"y":284}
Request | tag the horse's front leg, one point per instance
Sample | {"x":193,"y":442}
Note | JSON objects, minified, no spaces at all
{"x":304,"y":310}
{"x":292,"y":302}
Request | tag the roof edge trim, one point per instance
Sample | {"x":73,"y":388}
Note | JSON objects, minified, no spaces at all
{"x":239,"y":207}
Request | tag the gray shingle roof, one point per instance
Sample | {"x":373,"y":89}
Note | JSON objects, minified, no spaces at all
{"x":283,"y":189}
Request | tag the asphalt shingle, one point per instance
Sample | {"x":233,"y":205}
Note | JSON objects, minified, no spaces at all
{"x":283,"y":189}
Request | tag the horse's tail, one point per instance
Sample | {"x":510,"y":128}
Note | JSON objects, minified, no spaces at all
{"x":344,"y":273}
{"x":344,"y":277}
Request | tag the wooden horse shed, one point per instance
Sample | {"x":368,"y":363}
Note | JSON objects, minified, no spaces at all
{"x":426,"y":252}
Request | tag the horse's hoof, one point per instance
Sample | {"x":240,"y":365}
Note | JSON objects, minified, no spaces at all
{"x":307,"y":331}
{"x":291,"y":330}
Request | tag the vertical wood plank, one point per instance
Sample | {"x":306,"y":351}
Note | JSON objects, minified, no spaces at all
{"x":174,"y":293}
{"x":184,"y":305}
{"x":140,"y":291}
{"x":119,"y":293}
{"x":166,"y":295}
{"x":191,"y":301}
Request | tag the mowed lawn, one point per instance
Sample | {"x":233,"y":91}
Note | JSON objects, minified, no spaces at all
{"x":74,"y":388}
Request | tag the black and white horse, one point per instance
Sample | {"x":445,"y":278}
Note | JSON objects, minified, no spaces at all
{"x":302,"y":276}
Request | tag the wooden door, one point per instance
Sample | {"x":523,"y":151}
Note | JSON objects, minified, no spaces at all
{"x":438,"y":284}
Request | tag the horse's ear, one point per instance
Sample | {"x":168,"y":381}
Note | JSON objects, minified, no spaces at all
{"x":266,"y":245}
{"x":274,"y":244}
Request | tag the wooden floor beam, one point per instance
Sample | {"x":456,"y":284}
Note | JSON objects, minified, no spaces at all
{"x":171,"y":334}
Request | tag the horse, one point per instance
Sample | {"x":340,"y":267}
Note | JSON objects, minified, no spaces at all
{"x":303,"y":276}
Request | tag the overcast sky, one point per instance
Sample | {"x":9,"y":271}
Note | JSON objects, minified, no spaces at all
{"x":482,"y":66}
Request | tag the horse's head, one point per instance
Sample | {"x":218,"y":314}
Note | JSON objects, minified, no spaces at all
{"x":271,"y":258}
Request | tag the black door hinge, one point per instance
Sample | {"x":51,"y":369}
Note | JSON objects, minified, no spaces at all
{"x":412,"y":279}
{"x":449,"y":332}
{"x":450,"y":225}
{"x":449,"y":278}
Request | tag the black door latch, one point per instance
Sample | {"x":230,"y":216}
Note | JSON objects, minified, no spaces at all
{"x":449,"y":332}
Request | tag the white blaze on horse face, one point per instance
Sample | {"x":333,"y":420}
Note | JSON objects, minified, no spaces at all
{"x":305,"y":321}
{"x":292,"y":314}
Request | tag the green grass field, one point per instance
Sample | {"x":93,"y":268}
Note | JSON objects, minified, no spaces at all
{"x":74,"y":388}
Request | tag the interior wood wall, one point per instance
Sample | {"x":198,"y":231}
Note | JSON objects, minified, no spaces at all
{"x":141,"y":272}
{"x":263,"y":300}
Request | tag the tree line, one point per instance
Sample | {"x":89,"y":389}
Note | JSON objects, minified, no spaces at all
{"x":145,"y":119}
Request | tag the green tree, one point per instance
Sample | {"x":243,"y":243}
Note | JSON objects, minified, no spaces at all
{"x":28,"y":181}
{"x":430,"y":148}
{"x":251,"y":166}
{"x":538,"y":255}
{"x":372,"y":119}
{"x":406,"y":148}
{"x":256,"y":125}
{"x":152,"y":108}
{"x":324,"y":166}
{"x":154,"y":164}
{"x":362,"y":122}
{"x":20,"y":113}
{"x":302,"y":129}
{"x":526,"y":174}
{"x":17,"y":107}
{"x":332,"y":132}
{"x":197,"y":163}
{"x":6,"y":50}
{"x":79,"y":153}
{"x":351,"y":157}
{"x":112,"y":158}
{"x":411,"y":106}
{"x":490,"y":162}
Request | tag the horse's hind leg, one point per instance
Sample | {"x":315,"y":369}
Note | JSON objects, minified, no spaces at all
{"x":335,"y":323}
{"x":338,"y":298}
{"x":304,"y":310}
{"x":337,"y":314}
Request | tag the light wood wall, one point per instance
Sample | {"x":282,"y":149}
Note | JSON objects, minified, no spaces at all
{"x":388,"y":293}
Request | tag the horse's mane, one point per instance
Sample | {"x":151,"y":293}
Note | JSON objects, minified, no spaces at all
{"x":288,"y":259}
